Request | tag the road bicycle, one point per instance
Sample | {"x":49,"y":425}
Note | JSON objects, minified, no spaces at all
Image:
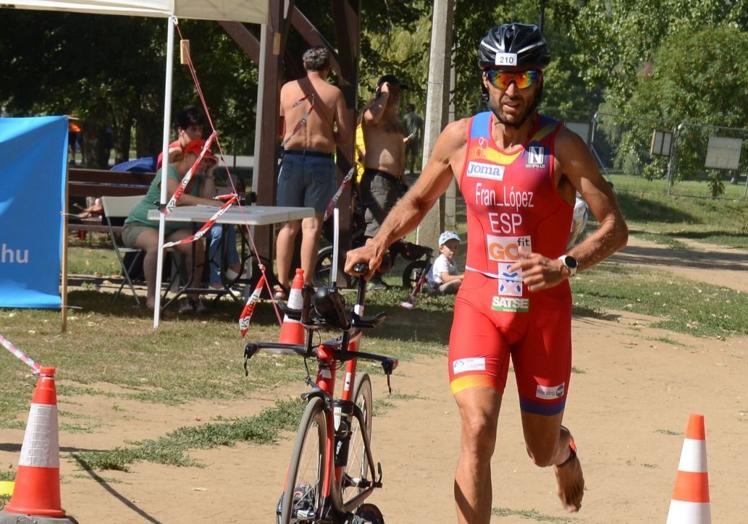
{"x":332,"y":469}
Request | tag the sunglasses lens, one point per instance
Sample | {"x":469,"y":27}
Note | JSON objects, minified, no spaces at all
{"x":501,"y":80}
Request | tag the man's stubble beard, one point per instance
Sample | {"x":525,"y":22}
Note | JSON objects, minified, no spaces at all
{"x":516,"y":124}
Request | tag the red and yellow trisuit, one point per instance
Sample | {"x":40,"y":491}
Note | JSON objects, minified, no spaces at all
{"x":512,"y":205}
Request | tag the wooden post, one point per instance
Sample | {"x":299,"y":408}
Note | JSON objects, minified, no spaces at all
{"x":437,"y":102}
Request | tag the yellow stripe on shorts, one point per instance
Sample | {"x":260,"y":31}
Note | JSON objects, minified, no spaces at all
{"x":472,"y":381}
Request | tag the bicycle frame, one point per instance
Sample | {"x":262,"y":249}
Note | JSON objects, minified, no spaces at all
{"x":337,"y":411}
{"x":338,"y":438}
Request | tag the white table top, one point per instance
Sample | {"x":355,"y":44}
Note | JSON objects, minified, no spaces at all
{"x":249,"y":215}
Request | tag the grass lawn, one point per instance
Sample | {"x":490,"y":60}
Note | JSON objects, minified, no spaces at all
{"x":664,"y":218}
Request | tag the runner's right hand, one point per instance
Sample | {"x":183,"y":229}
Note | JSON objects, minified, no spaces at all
{"x":370,"y":254}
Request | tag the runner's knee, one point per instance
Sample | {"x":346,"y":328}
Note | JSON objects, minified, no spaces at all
{"x":478,"y":434}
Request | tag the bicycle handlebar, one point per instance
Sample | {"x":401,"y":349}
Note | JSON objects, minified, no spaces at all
{"x":252,"y":348}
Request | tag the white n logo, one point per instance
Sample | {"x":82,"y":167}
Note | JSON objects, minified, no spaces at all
{"x":536,"y":156}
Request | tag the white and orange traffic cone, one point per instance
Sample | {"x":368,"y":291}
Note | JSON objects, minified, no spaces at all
{"x":690,"y":502}
{"x":292,"y":332}
{"x":37,"y":485}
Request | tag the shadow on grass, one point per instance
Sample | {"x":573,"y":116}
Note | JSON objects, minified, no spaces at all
{"x":706,"y":234}
{"x":672,"y":257}
{"x":641,"y":209}
{"x":588,"y":312}
{"x":116,"y":494}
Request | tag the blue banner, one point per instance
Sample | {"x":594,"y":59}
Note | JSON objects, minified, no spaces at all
{"x":32,"y":182}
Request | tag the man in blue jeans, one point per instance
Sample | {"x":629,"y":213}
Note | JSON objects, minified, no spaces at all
{"x":313,"y":121}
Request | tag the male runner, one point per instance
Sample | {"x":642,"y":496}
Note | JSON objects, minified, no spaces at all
{"x":517,"y":171}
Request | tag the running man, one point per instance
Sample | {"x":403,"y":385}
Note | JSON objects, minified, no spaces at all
{"x":313,"y":121}
{"x":518,"y":172}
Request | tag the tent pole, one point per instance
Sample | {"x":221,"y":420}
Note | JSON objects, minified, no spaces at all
{"x":64,"y":268}
{"x":171,"y":22}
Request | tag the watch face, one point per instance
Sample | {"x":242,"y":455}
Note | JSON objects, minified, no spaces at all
{"x":570,"y":262}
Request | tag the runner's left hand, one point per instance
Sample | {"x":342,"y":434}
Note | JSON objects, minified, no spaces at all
{"x":539,"y":272}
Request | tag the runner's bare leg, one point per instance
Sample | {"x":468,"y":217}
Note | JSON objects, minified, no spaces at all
{"x":479,"y":412}
{"x":548,"y":445}
{"x":311,"y":229}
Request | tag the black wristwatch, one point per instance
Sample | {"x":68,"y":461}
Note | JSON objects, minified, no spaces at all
{"x":569,"y":263}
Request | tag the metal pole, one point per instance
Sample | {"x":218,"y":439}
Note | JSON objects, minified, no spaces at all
{"x":171,"y":22}
{"x":672,"y":162}
{"x":541,"y":18}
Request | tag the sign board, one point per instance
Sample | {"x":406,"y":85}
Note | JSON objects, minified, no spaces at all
{"x":32,"y":181}
{"x":723,"y":153}
{"x":662,"y":143}
{"x":580,"y":128}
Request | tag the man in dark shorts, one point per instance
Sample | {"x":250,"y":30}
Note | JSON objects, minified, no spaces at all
{"x":518,"y":172}
{"x":313,"y":121}
{"x":382,"y":183}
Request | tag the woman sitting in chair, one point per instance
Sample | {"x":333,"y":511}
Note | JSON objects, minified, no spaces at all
{"x":141,"y":233}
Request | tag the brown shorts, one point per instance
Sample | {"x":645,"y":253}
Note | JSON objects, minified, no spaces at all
{"x":379,"y":193}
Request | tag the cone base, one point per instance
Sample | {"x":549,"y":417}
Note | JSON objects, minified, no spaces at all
{"x":18,"y":518}
{"x":37,"y":492}
{"x":291,"y":332}
{"x":682,"y":512}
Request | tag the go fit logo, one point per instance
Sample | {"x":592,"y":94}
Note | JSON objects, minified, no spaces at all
{"x":507,"y":249}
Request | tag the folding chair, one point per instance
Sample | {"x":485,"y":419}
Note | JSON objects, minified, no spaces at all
{"x":120,"y":207}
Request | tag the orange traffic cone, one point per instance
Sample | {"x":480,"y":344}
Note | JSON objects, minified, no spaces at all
{"x":690,"y":502}
{"x":292,"y":332}
{"x":37,"y":486}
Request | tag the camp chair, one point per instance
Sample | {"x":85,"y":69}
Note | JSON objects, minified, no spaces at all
{"x":120,"y":207}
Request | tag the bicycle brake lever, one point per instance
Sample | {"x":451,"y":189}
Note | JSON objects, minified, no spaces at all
{"x":249,"y":351}
{"x":389,"y":366}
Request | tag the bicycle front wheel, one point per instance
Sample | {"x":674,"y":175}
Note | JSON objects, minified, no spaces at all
{"x":358,"y":476}
{"x":302,"y":499}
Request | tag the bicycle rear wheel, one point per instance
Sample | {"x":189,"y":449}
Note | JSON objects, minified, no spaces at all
{"x":302,"y":499}
{"x":357,"y":475}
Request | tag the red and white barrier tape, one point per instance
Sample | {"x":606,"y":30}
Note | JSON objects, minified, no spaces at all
{"x":249,"y":307}
{"x":186,"y":180}
{"x":250,"y":236}
{"x":20,"y":355}
{"x":334,"y":200}
{"x":205,"y":227}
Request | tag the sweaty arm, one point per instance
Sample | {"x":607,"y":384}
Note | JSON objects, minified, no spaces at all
{"x":577,"y":168}
{"x":411,"y":208}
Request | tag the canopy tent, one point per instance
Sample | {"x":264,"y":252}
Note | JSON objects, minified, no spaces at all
{"x":249,"y":11}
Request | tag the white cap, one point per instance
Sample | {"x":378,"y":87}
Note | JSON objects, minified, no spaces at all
{"x":448,"y":235}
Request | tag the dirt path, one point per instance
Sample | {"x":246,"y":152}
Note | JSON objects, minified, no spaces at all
{"x":631,"y":394}
{"x":709,"y":263}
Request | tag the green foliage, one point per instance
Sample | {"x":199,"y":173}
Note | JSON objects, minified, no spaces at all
{"x":172,"y":448}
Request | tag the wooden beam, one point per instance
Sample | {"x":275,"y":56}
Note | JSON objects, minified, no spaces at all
{"x":313,"y":37}
{"x":274,"y":45}
{"x":244,"y":38}
{"x":347,"y":16}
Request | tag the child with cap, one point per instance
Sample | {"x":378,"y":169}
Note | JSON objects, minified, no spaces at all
{"x":443,"y":277}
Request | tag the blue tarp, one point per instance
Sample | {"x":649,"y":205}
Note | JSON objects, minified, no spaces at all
{"x":32,"y":182}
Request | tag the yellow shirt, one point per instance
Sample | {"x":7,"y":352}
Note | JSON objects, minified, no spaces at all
{"x":360,"y":147}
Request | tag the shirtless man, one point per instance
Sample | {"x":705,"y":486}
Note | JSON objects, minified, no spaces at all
{"x":384,"y":158}
{"x":518,"y":172}
{"x":313,"y":121}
